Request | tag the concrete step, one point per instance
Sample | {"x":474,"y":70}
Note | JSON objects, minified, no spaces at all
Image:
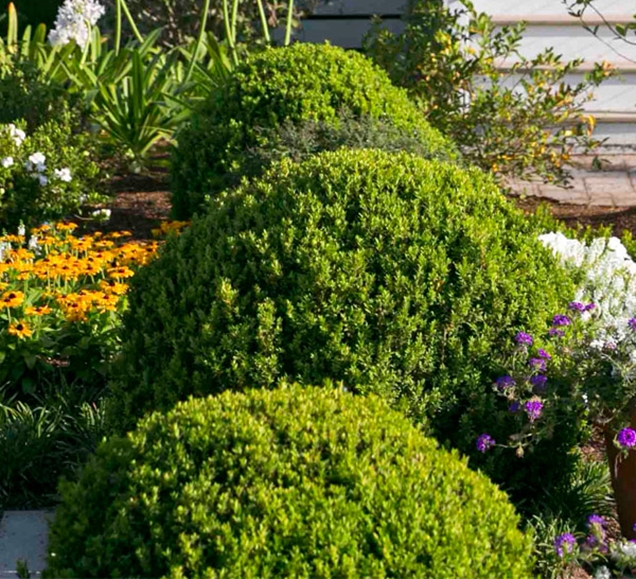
{"x":23,"y":536}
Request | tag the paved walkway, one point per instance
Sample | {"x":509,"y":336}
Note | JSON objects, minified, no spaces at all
{"x":613,"y":186}
{"x":23,"y":536}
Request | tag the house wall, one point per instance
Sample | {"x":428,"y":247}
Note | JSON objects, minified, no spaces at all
{"x":345,"y":22}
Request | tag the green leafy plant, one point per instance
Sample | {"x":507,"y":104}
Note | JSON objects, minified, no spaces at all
{"x":396,"y":275}
{"x":45,"y":175}
{"x":295,"y":482}
{"x":514,"y":116}
{"x":26,"y":94}
{"x":299,"y":83}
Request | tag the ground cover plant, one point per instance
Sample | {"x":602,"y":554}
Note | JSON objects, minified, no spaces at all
{"x":300,"y":83}
{"x":297,"y":481}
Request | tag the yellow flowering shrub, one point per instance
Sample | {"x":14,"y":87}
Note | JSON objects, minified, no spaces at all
{"x":61,"y":298}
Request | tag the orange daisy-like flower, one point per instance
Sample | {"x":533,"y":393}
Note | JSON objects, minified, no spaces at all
{"x":37,"y":311}
{"x":120,"y":272}
{"x":11,"y":299}
{"x":20,"y":329}
{"x":61,"y":226}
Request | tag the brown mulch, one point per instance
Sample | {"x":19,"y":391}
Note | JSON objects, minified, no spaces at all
{"x":141,"y":202}
{"x":619,"y":219}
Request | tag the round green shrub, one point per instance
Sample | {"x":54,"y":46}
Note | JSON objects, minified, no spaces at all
{"x":397,"y":275}
{"x":293,"y":482}
{"x":303,"y":82}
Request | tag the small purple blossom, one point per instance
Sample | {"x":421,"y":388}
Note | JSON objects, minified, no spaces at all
{"x":589,"y":307}
{"x":484,"y":442}
{"x":626,"y":438}
{"x":539,"y":382}
{"x":632,"y":324}
{"x":576,"y":306}
{"x":543,"y":354}
{"x":504,"y":382}
{"x":533,"y":409}
{"x":596,"y":520}
{"x":555,"y":332}
{"x":523,"y":339}
{"x":564,"y":543}
{"x":538,"y":364}
{"x":514,"y":407}
{"x":561,"y":320}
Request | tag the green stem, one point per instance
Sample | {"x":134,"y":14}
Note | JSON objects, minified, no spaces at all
{"x":85,"y":50}
{"x":261,"y":12}
{"x":234,"y":18}
{"x":228,"y":31}
{"x":288,"y":26}
{"x":197,"y":46}
{"x":135,"y":30}
{"x":117,"y":26}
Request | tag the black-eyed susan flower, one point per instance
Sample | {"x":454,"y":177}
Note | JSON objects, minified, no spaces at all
{"x":20,"y":329}
{"x":11,"y":299}
{"x":37,"y":311}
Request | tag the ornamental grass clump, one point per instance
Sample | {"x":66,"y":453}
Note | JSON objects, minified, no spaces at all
{"x":295,"y":84}
{"x":297,"y":482}
{"x":396,"y":275}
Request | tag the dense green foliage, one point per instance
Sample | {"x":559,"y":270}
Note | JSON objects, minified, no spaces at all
{"x":303,"y":82}
{"x":397,"y":275}
{"x":298,"y":141}
{"x":26,"y":93}
{"x":294,"y":482}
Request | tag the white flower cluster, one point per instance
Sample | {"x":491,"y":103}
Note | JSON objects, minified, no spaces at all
{"x":18,"y":136}
{"x":74,"y":21}
{"x":36,"y":165}
{"x":603,"y":572}
{"x":609,"y":281}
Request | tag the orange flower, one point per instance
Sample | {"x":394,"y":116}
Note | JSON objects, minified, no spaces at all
{"x":20,"y":329}
{"x":119,"y":272}
{"x":65,"y":226}
{"x":37,"y":311}
{"x":11,"y":299}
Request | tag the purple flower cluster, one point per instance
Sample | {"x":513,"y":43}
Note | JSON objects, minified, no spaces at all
{"x":626,"y":438}
{"x":564,"y":543}
{"x":560,"y":320}
{"x":538,"y":364}
{"x":533,"y":409}
{"x":596,"y":538}
{"x":579,"y":307}
{"x":504,"y":382}
{"x":555,"y":332}
{"x":543,"y":354}
{"x":539,"y":382}
{"x":523,"y":339}
{"x":484,"y":442}
{"x":632,"y":324}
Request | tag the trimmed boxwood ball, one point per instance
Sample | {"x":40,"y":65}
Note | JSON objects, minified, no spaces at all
{"x":399,"y":276}
{"x":293,"y":482}
{"x":303,"y":82}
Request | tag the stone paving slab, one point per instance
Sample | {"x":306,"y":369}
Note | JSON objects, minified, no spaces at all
{"x":613,"y":186}
{"x":23,"y":535}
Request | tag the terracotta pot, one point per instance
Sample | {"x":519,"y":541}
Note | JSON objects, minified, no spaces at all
{"x":623,"y":473}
